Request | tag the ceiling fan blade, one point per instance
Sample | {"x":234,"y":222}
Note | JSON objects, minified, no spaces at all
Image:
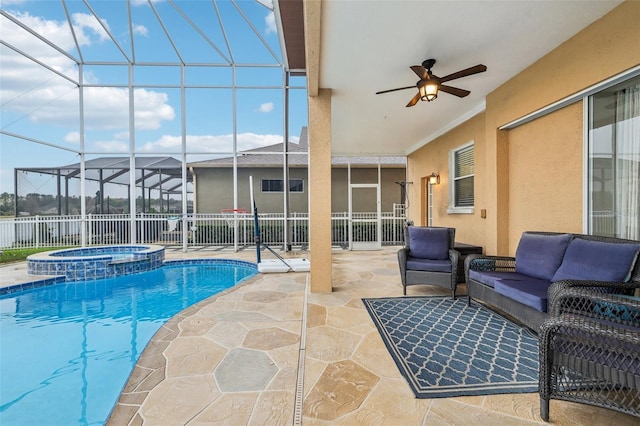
{"x":420,"y":72}
{"x":461,"y":93}
{"x":469,"y":71}
{"x":414,"y":100}
{"x":393,"y":90}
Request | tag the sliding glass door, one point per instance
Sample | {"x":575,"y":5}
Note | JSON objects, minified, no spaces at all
{"x":614,"y":161}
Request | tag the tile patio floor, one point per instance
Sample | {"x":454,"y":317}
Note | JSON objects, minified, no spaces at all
{"x":268,"y":352}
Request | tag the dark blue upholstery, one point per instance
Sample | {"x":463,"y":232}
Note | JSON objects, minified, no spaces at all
{"x":429,"y":243}
{"x":491,"y":277}
{"x":532,"y":292}
{"x":598,"y":261}
{"x":437,"y":265}
{"x":540,"y":255}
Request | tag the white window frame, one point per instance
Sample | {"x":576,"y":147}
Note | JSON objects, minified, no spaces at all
{"x":452,"y":209}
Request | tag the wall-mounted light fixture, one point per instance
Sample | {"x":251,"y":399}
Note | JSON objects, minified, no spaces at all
{"x":434,"y":179}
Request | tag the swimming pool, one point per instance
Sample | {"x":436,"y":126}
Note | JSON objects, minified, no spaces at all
{"x":66,"y":350}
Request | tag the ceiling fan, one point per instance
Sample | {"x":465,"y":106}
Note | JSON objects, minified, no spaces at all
{"x":429,"y":84}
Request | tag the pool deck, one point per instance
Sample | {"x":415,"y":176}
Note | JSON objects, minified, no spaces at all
{"x":269,"y":352}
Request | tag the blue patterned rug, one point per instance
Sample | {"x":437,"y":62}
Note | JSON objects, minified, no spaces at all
{"x":445,"y":348}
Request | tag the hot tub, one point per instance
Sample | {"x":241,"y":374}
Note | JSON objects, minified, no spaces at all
{"x":92,"y":263}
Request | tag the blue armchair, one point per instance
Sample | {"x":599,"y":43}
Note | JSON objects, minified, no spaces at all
{"x":429,"y":258}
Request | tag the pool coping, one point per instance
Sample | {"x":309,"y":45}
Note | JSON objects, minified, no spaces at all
{"x":59,"y":279}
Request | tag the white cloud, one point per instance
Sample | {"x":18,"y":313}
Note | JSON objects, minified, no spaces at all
{"x":72,"y":137}
{"x":140,"y":30}
{"x":84,"y":21}
{"x":266,"y":107}
{"x":270,"y":21}
{"x":111,"y":146}
{"x":210,"y":143}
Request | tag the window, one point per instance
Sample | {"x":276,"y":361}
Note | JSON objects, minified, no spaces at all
{"x":277,"y":185}
{"x":461,"y":169}
{"x":614,"y":161}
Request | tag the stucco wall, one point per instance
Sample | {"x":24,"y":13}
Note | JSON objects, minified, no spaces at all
{"x":545,"y":174}
{"x":531,"y":177}
{"x":434,"y":157}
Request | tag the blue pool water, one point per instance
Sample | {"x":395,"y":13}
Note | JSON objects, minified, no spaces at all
{"x":66,"y":350}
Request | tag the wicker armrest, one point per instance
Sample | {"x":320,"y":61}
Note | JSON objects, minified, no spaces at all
{"x":481,"y":262}
{"x":607,"y":343}
{"x":611,"y":287}
{"x":585,"y":302}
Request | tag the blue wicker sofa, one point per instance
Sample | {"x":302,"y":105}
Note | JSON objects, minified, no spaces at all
{"x":518,"y":285}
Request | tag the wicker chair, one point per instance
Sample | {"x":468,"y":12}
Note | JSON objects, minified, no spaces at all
{"x":590,"y":349}
{"x":417,"y":268}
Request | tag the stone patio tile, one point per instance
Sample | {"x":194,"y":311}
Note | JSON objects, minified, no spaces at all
{"x":269,"y":338}
{"x":227,"y":334}
{"x":331,"y":344}
{"x":273,"y":408}
{"x":187,"y":356}
{"x":341,"y":389}
{"x":229,"y":409}
{"x":244,"y":370}
{"x":176,"y":400}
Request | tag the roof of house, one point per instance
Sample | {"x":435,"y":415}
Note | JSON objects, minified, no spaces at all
{"x":271,"y":156}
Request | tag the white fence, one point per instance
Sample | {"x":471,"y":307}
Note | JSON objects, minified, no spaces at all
{"x":234,"y":230}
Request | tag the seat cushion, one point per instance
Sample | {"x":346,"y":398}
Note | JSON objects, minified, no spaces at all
{"x":428,"y":243}
{"x":491,"y":277}
{"x":540,"y":255}
{"x":532,"y":292}
{"x":430,"y":265}
{"x":598,"y":261}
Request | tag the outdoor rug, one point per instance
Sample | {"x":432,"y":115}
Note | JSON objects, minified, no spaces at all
{"x":446,"y":348}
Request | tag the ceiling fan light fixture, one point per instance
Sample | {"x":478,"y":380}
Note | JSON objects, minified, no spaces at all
{"x":429,"y":90}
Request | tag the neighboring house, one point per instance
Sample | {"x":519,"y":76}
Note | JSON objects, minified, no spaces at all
{"x":213,"y":180}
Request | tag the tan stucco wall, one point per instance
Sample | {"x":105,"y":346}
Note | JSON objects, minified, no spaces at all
{"x":545,"y":174}
{"x":434,"y":157}
{"x":548,"y":151}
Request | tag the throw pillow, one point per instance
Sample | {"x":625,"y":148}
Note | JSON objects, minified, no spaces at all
{"x":540,"y":255}
{"x":429,"y":243}
{"x":597,"y":261}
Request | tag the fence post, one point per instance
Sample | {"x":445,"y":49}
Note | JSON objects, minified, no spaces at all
{"x":37,"y":231}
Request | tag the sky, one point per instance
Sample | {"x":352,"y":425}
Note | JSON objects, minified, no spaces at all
{"x":40,"y":99}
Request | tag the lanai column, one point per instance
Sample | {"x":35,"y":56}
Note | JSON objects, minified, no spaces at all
{"x":320,"y":191}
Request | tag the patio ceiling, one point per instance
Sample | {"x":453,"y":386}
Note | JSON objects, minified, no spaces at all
{"x":366,"y":47}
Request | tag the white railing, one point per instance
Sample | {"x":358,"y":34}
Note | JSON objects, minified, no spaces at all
{"x":230,"y":230}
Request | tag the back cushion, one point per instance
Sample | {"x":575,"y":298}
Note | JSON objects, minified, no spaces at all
{"x":540,"y":255}
{"x":598,"y":261}
{"x":429,"y":243}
